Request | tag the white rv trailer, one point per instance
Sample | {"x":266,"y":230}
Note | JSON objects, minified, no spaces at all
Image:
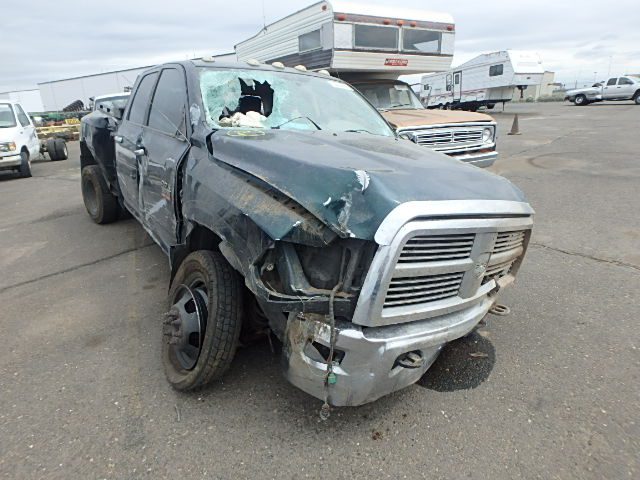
{"x":488,"y":79}
{"x":347,"y":37}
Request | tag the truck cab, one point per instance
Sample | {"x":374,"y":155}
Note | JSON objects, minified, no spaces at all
{"x":466,"y":136}
{"x":18,"y":139}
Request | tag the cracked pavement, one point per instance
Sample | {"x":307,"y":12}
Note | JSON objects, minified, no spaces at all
{"x":551,"y":391}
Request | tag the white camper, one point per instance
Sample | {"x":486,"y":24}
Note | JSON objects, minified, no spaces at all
{"x":347,"y":37}
{"x":488,"y":79}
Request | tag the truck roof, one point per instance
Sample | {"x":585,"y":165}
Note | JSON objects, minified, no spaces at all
{"x":213,"y":63}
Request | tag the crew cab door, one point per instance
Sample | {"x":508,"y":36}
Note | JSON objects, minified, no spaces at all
{"x":130,"y":150}
{"x":27,"y":132}
{"x":166,"y":144}
{"x":626,"y":87}
{"x":610,"y":89}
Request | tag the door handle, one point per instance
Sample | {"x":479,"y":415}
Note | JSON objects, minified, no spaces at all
{"x":139,"y":152}
{"x":118,"y":139}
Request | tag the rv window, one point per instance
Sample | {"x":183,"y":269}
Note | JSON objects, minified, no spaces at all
{"x":449,"y":86}
{"x":421,"y":40}
{"x":309,"y":41}
{"x":612,"y":81}
{"x":375,"y":37}
{"x":496,"y":70}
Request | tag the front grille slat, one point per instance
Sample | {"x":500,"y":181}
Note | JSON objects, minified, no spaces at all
{"x":411,"y":291}
{"x":449,"y":136}
{"x":425,"y":248}
{"x":505,"y":242}
{"x":396,"y":303}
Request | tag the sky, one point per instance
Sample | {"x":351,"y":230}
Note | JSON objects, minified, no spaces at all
{"x":50,"y":40}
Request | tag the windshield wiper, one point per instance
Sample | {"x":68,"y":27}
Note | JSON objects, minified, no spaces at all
{"x":277,"y":127}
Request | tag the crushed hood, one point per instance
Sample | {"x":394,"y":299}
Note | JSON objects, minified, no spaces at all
{"x":418,"y":117}
{"x":351,"y":181}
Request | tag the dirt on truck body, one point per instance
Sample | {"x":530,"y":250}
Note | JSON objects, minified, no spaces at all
{"x":284,"y":201}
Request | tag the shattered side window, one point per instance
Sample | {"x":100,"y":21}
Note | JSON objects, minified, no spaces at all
{"x":282,"y":100}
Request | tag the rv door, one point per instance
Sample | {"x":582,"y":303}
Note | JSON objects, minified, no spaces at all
{"x":457,"y":86}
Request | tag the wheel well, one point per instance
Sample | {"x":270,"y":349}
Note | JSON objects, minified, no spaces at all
{"x":200,"y":238}
{"x":637,"y":94}
{"x":86,"y":158}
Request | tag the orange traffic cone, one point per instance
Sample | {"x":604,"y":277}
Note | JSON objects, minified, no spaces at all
{"x":515,"y":128}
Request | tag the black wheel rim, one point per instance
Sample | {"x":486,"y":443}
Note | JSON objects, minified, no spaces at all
{"x":187,"y":322}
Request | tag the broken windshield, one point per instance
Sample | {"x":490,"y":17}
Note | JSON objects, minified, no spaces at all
{"x":287,"y":101}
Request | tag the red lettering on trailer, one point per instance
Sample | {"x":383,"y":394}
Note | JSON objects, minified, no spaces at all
{"x":396,"y":62}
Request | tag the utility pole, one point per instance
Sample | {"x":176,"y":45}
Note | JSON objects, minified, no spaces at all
{"x":609,"y":71}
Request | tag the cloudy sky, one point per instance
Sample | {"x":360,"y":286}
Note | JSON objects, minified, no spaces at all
{"x":48,"y":40}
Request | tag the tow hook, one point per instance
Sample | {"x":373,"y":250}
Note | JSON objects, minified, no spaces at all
{"x":411,"y":360}
{"x":500,"y":310}
{"x":172,"y":326}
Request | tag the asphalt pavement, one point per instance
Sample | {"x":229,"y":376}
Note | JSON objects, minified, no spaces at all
{"x":551,"y":391}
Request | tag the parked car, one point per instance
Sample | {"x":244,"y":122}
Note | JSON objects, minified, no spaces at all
{"x":466,"y":136}
{"x":614,"y":89}
{"x":284,"y":201}
{"x":19,"y":142}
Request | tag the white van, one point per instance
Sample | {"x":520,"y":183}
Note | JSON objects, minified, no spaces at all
{"x":19,"y":141}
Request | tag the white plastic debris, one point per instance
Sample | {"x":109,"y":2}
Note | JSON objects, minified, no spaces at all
{"x":363,"y":179}
{"x":251,"y":120}
{"x":277,"y":64}
{"x":302,"y":68}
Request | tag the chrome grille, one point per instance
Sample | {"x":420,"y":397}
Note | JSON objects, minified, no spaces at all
{"x":448,"y":137}
{"x":508,"y":241}
{"x":414,"y":290}
{"x":436,"y":248}
{"x":433,"y":261}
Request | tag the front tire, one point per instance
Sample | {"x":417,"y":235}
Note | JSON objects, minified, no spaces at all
{"x":102,"y":206}
{"x":25,"y":165}
{"x":202,"y":327}
{"x":580,"y":100}
{"x":636,"y":99}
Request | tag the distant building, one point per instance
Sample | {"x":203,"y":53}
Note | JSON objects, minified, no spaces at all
{"x":29,"y":99}
{"x":57,"y":94}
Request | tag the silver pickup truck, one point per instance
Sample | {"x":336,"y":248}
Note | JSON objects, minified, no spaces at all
{"x":616,"y":88}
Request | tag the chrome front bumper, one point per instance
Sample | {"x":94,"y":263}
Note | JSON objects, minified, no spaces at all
{"x":371,"y":350}
{"x":10,"y":161}
{"x":370,"y":366}
{"x":482,"y":160}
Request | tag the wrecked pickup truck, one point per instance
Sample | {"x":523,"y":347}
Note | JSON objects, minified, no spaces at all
{"x":285,"y":202}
